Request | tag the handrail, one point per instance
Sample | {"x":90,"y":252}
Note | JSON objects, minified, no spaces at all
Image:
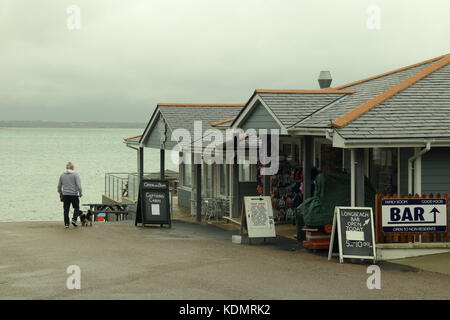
{"x":120,"y":185}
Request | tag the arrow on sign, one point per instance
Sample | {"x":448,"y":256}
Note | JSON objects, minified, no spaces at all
{"x":434,"y":211}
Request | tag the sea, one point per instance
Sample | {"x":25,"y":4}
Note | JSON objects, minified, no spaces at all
{"x":32,"y":159}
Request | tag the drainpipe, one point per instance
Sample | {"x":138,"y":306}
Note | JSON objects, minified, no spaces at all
{"x":410,"y":165}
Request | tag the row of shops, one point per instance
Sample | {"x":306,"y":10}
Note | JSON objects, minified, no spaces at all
{"x":390,"y":132}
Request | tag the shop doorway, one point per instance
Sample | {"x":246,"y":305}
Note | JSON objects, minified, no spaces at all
{"x":328,"y":159}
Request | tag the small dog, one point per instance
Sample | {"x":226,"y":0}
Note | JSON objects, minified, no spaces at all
{"x":86,"y":218}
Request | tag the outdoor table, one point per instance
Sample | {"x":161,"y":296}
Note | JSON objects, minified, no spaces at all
{"x":119,"y":210}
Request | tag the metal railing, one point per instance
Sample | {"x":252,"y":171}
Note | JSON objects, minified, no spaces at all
{"x":212,"y":207}
{"x":116,"y":185}
{"x":120,"y":185}
{"x":133,"y":186}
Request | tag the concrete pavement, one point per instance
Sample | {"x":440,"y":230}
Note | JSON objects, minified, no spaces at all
{"x":439,"y":263}
{"x":189,"y":261}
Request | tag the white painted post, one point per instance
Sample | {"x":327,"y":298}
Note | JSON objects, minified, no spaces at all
{"x":418,"y":175}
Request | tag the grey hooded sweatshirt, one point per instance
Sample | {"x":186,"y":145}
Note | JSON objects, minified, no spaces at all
{"x":69,"y":184}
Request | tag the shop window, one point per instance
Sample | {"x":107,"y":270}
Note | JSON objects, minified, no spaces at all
{"x":296,"y":155}
{"x":208,"y":182}
{"x":383,"y":169}
{"x":330,"y":159}
{"x":247,"y":171}
{"x":224,"y":176}
{"x":187,"y":174}
{"x":285,"y":185}
{"x":286,"y":151}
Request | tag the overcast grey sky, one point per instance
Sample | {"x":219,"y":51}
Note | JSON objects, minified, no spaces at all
{"x":130,"y":55}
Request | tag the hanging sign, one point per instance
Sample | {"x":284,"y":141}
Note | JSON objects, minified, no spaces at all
{"x":414,"y":215}
{"x":257,"y":217}
{"x":355,"y":233}
{"x":153,"y":206}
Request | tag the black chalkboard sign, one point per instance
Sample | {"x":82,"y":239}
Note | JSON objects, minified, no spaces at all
{"x":355,"y":233}
{"x":153,"y":206}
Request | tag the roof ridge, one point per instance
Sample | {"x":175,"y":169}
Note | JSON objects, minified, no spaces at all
{"x":199,"y":105}
{"x":133,"y":137}
{"x":317,"y":91}
{"x":390,"y":72}
{"x":222,"y":121}
{"x":372,"y":103}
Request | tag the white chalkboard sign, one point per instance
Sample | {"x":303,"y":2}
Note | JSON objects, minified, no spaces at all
{"x":355,"y":233}
{"x":257,"y":217}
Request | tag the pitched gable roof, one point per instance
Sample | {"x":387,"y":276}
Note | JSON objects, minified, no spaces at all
{"x":390,"y":72}
{"x":289,"y":106}
{"x":421,"y":111}
{"x":375,"y":101}
{"x":318,"y":91}
{"x":183,"y":115}
{"x":365,"y":90}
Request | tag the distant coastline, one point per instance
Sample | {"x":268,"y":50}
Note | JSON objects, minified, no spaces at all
{"x":58,"y":124}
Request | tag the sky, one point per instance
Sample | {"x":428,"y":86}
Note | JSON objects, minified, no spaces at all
{"x":129,"y":55}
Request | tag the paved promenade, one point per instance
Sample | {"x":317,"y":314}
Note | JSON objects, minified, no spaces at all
{"x":189,"y":261}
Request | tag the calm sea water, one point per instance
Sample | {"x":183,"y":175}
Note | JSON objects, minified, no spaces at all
{"x":31,"y":160}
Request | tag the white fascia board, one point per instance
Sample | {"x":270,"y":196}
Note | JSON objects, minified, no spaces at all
{"x":338,"y":141}
{"x":283,"y":129}
{"x":131,"y":144}
{"x":134,"y":146}
{"x":149,"y":127}
{"x":248,"y":109}
{"x":388,"y":143}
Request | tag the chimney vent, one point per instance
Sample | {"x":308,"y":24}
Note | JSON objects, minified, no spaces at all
{"x":325,"y":79}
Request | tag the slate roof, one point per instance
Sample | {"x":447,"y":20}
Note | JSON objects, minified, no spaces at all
{"x":364,"y":91}
{"x":419,"y":111}
{"x":291,"y":108}
{"x":184,"y":115}
{"x":410,"y":102}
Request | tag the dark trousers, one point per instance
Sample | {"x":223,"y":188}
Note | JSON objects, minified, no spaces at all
{"x":75,"y":202}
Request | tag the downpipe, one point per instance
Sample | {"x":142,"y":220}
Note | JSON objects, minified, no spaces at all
{"x":410,"y":165}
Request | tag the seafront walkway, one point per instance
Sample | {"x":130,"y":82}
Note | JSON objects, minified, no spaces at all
{"x":190,"y":261}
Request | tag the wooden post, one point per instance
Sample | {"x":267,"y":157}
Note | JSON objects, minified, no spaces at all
{"x":378,"y":219}
{"x":162,"y":164}
{"x":198,"y":189}
{"x":359,"y":178}
{"x":266,"y":178}
{"x":141,"y":164}
{"x":234,"y":183}
{"x":446,"y":233}
{"x":307,"y":165}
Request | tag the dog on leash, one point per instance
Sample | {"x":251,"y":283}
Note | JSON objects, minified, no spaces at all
{"x":86,"y":218}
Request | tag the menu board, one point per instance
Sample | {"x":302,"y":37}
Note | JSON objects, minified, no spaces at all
{"x":355,"y":233}
{"x":153,"y":203}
